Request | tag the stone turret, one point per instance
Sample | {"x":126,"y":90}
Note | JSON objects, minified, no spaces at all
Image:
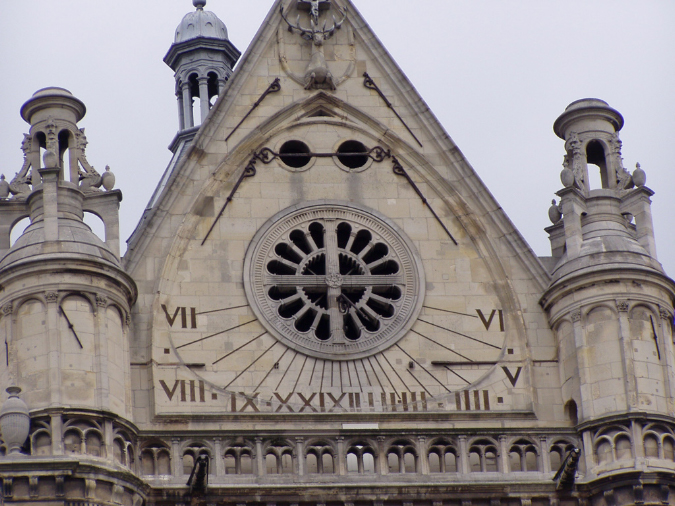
{"x":202,"y":58}
{"x":609,"y":301}
{"x":65,"y":297}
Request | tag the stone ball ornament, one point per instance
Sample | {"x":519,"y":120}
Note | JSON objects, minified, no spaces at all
{"x":14,"y":421}
{"x":108,"y":179}
{"x":639,"y":176}
{"x":567,"y":178}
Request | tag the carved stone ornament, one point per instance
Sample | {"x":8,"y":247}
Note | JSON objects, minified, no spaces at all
{"x":20,"y":184}
{"x":665,"y":314}
{"x":51,"y":297}
{"x":127,"y":320}
{"x":7,"y":309}
{"x":622,"y":306}
{"x":576,"y":316}
{"x":576,"y":156}
{"x":101,"y":300}
{"x":317,"y":75}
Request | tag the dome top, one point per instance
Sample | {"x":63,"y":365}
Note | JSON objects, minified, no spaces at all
{"x":200,"y":23}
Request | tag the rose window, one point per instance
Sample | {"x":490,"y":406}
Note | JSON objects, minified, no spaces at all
{"x":334,"y":281}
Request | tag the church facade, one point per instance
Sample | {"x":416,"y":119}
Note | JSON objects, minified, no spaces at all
{"x":323,"y":304}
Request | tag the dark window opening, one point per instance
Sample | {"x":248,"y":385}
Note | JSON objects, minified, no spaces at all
{"x":295,"y":154}
{"x":352,"y":154}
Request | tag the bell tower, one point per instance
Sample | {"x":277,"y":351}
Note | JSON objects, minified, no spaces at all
{"x":609,"y":303}
{"x":65,"y":298}
{"x":202,"y":57}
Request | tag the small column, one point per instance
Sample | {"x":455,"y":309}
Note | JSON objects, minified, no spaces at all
{"x":300,"y":451}
{"x":219,"y":458}
{"x":187,"y":106}
{"x":181,"y":111}
{"x":422,"y":457}
{"x":221,"y":85}
{"x":464,"y":467}
{"x":176,"y":458}
{"x":572,"y":203}
{"x":50,"y":178}
{"x":630,"y":382}
{"x":504,"y":455}
{"x":204,"y":97}
{"x":587,"y":440}
{"x":382,"y":455}
{"x":668,"y":360}
{"x":259,"y":457}
{"x":54,"y":345}
{"x":56,"y":424}
{"x":585,"y":380}
{"x":638,"y":443}
{"x":545,"y":461}
{"x":639,"y":203}
{"x":341,"y":457}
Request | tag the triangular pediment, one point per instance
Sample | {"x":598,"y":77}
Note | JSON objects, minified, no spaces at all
{"x":354,"y":153}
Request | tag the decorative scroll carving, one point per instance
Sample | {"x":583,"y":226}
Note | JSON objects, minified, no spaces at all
{"x":90,"y":179}
{"x":7,"y":309}
{"x":665,"y":314}
{"x":576,"y":315}
{"x":623,"y":177}
{"x":51,"y":297}
{"x":20,"y":185}
{"x":101,"y":300}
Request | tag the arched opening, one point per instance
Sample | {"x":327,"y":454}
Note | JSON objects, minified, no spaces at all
{"x":368,"y":463}
{"x":624,"y":449}
{"x":213,"y":88}
{"x":409,"y":462}
{"x":474,"y":462}
{"x":72,"y":442}
{"x":352,"y":463}
{"x":434,"y":463}
{"x":450,"y":460}
{"x":271,"y":464}
{"x":194,"y":100}
{"x":393,"y":463}
{"x":93,"y":444}
{"x":188,"y":463}
{"x":41,"y":139}
{"x":43,"y":444}
{"x":18,"y":229}
{"x":491,"y":461}
{"x":651,"y":446}
{"x":287,"y":463}
{"x":312,"y":463}
{"x":595,"y":155}
{"x":95,"y":223}
{"x":556,"y":459}
{"x":571,"y":412}
{"x":118,"y":452}
{"x":64,"y":154}
{"x":147,"y":464}
{"x":514,"y":462}
{"x":604,"y":452}
{"x":246,"y":464}
{"x":163,"y":463}
{"x":327,"y":461}
{"x":669,"y":449}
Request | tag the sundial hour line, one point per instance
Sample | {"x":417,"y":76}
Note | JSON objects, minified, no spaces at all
{"x":213,"y":335}
{"x":460,"y":334}
{"x":242,"y":346}
{"x":441,"y":345}
{"x":423,"y":368}
{"x":249,"y":365}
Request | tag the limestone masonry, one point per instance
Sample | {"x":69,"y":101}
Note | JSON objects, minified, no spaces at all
{"x":323,"y":304}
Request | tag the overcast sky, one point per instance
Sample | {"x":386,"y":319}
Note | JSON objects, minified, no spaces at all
{"x":496,"y":73}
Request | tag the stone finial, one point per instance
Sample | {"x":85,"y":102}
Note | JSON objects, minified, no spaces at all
{"x":639,"y":176}
{"x":14,"y":421}
{"x":199,"y":4}
{"x":108,"y":179}
{"x":50,"y":160}
{"x":4,"y":187}
{"x":554,"y":212}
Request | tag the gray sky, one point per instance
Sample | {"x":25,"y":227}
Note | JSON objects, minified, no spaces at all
{"x":496,"y":73}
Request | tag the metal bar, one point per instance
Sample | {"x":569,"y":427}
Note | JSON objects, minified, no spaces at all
{"x":656,"y":338}
{"x":452,"y":364}
{"x":370,"y":84}
{"x":267,"y":156}
{"x":272,"y":88}
{"x":249,"y":171}
{"x":70,"y":326}
{"x":400,"y":171}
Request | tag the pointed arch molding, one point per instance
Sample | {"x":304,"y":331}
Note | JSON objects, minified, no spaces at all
{"x":473,"y":221}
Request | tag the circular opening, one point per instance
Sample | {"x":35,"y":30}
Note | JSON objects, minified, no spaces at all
{"x":295,"y":154}
{"x":352,"y":154}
